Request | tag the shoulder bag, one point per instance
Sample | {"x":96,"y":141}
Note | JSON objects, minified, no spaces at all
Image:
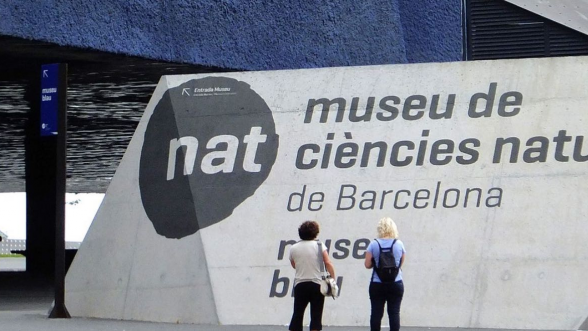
{"x":329,"y":287}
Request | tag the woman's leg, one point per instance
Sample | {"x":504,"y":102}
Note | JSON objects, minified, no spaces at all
{"x":394,"y":298}
{"x":317,"y":303}
{"x":378,"y":300}
{"x":301,"y":300}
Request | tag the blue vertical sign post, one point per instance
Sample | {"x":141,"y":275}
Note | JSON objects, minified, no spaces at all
{"x":53,"y":130}
{"x":49,"y":99}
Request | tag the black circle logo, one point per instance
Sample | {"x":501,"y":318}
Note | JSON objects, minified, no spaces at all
{"x":209,"y":144}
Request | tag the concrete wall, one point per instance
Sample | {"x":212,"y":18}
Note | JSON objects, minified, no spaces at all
{"x":247,"y":34}
{"x":495,"y":235}
{"x":569,"y":13}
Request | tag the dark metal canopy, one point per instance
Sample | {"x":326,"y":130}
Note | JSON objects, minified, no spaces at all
{"x":107,"y":94}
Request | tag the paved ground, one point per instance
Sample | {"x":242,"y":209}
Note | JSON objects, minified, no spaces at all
{"x":26,"y":319}
{"x":12,"y":264}
{"x":25,"y":305}
{"x":37,"y":320}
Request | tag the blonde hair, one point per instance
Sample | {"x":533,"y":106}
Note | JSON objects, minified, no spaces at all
{"x":387,"y":228}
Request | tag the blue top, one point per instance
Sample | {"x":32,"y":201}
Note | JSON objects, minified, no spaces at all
{"x":385,"y":243}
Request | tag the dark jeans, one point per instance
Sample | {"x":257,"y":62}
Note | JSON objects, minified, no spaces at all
{"x":380,"y":294}
{"x":305,"y":293}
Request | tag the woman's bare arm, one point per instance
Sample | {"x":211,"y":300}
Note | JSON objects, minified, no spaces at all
{"x":368,"y":260}
{"x":329,"y":264}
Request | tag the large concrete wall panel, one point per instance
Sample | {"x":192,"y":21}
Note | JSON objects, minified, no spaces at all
{"x":137,"y":274}
{"x":224,"y":167}
{"x":570,"y":13}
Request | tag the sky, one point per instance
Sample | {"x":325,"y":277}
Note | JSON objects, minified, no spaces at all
{"x":79,"y":214}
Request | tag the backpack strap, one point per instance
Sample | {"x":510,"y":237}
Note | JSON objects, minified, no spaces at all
{"x":374,"y":260}
{"x":392,"y":251}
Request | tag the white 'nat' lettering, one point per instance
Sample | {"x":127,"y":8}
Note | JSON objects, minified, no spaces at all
{"x":216,"y":160}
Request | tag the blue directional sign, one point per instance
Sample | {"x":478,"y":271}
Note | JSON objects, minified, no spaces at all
{"x":49,"y":99}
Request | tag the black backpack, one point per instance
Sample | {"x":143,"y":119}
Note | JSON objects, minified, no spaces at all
{"x":386,"y":267}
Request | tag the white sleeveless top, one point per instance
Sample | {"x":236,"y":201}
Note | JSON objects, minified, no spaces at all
{"x":305,"y":256}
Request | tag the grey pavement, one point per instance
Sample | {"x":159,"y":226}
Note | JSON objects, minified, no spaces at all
{"x":37,"y":320}
{"x":12,"y":264}
{"x":25,"y":306}
{"x":25,"y":319}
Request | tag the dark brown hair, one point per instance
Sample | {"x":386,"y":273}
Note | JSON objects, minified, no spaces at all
{"x":308,"y":230}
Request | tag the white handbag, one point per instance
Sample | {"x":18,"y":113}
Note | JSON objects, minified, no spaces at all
{"x":329,"y":287}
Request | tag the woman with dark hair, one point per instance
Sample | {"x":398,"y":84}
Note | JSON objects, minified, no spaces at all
{"x":304,"y":257}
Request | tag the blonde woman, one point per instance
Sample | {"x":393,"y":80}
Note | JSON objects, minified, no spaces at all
{"x":386,"y":291}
